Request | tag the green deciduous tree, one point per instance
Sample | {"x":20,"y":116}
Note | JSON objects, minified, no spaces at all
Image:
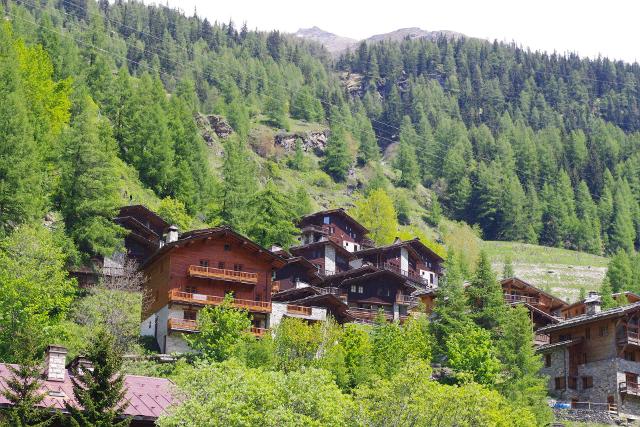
{"x":376,"y":212}
{"x":472,"y":355}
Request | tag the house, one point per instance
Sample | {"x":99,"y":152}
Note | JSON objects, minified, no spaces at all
{"x":144,"y":236}
{"x":517,"y":291}
{"x":147,"y":397}
{"x":336,"y":258}
{"x":595,"y":357}
{"x":198,"y":269}
{"x":579,"y":307}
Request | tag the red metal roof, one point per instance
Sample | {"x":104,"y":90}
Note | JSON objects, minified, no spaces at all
{"x":148,"y":397}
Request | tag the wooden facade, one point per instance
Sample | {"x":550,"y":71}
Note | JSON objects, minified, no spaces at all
{"x":145,"y":231}
{"x":335,"y":225}
{"x":579,"y":308}
{"x":518,"y":291}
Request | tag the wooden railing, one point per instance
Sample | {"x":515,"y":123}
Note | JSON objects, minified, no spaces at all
{"x":541,"y":339}
{"x":368,"y":314}
{"x":222,"y":274}
{"x":275,"y":286}
{"x":631,"y":335}
{"x":408,"y":273}
{"x":187,"y":297}
{"x":629,"y":388}
{"x":192,"y":326}
{"x":407,"y":300}
{"x":331,"y":290}
{"x":183,"y":325}
{"x":520,"y":298}
{"x":298,"y":309}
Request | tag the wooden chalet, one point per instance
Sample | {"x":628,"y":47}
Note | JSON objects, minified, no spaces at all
{"x":579,"y":308}
{"x":298,"y":272}
{"x":517,"y":291}
{"x":595,"y":357}
{"x":198,"y":270}
{"x":335,"y":225}
{"x":145,"y":231}
{"x":411,"y":258}
{"x":330,"y":299}
{"x":326,"y":255}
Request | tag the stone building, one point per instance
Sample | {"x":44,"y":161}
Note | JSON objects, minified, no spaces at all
{"x":595,"y":357}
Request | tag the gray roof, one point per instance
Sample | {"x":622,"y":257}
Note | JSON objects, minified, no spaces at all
{"x":547,"y":347}
{"x":588,"y":318}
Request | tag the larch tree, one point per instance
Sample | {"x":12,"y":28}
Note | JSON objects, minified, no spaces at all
{"x":272,"y":219}
{"x":485,"y":295}
{"x":89,"y":197}
{"x":337,"y":156}
{"x":406,"y":161}
{"x":376,"y":212}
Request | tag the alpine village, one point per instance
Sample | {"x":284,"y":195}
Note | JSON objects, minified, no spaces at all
{"x":205,"y":224}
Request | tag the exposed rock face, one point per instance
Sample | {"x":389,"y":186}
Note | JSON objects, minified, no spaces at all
{"x":332,"y":42}
{"x":212,"y":126}
{"x":352,"y":82}
{"x":311,"y":141}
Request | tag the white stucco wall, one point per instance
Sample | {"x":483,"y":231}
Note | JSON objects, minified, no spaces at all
{"x":279,"y":310}
{"x":329,"y":259}
{"x":404,"y":260}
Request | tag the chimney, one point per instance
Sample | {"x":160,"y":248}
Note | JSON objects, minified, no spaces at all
{"x":54,"y":363}
{"x":172,"y":234}
{"x":593,"y":303}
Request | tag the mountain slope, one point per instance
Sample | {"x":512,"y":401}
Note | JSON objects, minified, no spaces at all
{"x":332,"y":42}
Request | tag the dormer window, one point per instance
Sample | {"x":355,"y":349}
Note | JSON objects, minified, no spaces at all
{"x":326,"y":220}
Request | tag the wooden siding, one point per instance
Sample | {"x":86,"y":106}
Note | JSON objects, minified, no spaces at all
{"x":595,"y":346}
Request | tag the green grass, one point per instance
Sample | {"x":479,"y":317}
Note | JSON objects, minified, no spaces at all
{"x":560,"y":271}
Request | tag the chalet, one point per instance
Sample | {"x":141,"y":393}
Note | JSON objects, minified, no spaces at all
{"x":595,"y":357}
{"x":579,"y":307}
{"x":326,"y":255}
{"x":335,"y":225}
{"x":147,"y":398}
{"x":199,"y":269}
{"x":411,"y":258}
{"x":517,"y":291}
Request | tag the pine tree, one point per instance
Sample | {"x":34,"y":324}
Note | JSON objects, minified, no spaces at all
{"x":21,"y":180}
{"x":521,"y":364}
{"x":272,"y":218}
{"x":606,"y":296}
{"x":507,"y":268}
{"x":405,"y":161}
{"x":276,"y":106}
{"x":337,"y":157}
{"x":451,"y":311}
{"x":368,"y":150}
{"x":89,"y":185}
{"x":619,"y":272}
{"x":622,"y":233}
{"x":485,"y":295}
{"x":99,"y":392}
{"x":238,"y":185}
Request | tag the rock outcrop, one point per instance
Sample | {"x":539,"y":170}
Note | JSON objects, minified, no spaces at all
{"x":212,"y":126}
{"x":315,"y":141}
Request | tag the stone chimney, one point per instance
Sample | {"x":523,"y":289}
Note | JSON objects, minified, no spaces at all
{"x":172,"y":234}
{"x":55,"y":358}
{"x":593,"y":303}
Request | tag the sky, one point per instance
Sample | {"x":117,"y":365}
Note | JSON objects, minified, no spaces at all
{"x":588,"y":27}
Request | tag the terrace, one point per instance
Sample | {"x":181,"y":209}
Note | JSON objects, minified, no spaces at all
{"x":630,"y":335}
{"x":222,"y":274}
{"x":176,"y":295}
{"x":184,"y":325}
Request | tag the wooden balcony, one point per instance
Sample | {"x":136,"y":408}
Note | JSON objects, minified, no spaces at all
{"x":410,"y":274}
{"x":201,"y":299}
{"x":299,"y":310}
{"x":183,"y":325}
{"x":407,"y":300}
{"x":629,"y":388}
{"x":222,"y":274}
{"x":541,"y":339}
{"x":367,"y":315}
{"x":511,"y":299}
{"x":629,"y":336}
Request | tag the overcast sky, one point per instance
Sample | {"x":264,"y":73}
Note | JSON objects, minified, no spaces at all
{"x":607,"y":27}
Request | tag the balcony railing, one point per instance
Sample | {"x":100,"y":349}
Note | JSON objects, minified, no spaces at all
{"x":407,"y":300}
{"x":412,"y":275}
{"x":367,"y":314}
{"x":201,"y":299}
{"x":222,"y":274}
{"x":541,"y":339}
{"x":185,"y":325}
{"x":630,"y":336}
{"x":331,"y":290}
{"x":520,"y":298}
{"x":629,"y":388}
{"x":299,"y":310}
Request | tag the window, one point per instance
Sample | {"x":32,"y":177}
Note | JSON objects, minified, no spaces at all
{"x":237,"y":267}
{"x":573,"y":383}
{"x":587,"y":333}
{"x":587,"y":382}
{"x":547,"y":360}
{"x":354,"y":289}
{"x":221,"y":265}
{"x":630,"y":355}
{"x":565,"y":337}
{"x":227,"y":247}
{"x":190,"y":315}
{"x":361,"y":289}
{"x":560,"y":383}
{"x":326,"y":220}
{"x":204,"y":263}
{"x":191,"y":289}
{"x":604,"y":331}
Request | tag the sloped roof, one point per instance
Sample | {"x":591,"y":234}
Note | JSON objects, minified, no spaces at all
{"x":295,"y":250}
{"x":589,"y":318}
{"x":340,"y":211}
{"x":556,"y":300}
{"x":414,"y":245}
{"x":207,"y":233}
{"x":131,"y":210}
{"x":147,"y":397}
